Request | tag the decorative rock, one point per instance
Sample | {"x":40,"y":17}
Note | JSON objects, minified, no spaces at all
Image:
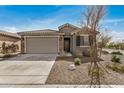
{"x":1,"y":59}
{"x":19,"y":55}
{"x":72,"y":67}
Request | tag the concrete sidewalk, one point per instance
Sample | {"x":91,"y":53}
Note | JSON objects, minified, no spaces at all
{"x":60,"y":86}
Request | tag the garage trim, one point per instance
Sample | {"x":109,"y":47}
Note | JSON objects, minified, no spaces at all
{"x":25,"y":39}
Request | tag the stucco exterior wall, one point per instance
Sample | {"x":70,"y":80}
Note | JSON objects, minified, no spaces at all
{"x":67,"y":30}
{"x":22,"y":45}
{"x":80,"y":50}
{"x":74,"y":45}
{"x":61,"y":45}
{"x":71,"y":44}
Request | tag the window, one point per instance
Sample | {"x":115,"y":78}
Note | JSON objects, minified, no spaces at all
{"x":78,"y":41}
{"x":86,"y":40}
{"x":81,"y":40}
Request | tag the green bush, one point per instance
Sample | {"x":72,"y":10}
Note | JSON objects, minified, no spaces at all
{"x":117,"y":53}
{"x":116,"y":67}
{"x":115,"y":59}
{"x":77,"y":61}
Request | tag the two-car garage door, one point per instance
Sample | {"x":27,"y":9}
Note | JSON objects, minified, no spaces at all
{"x":41,"y":45}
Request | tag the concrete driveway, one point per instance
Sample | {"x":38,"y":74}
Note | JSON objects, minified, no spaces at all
{"x":26,"y":69}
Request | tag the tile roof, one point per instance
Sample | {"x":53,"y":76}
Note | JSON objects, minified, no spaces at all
{"x":15,"y":35}
{"x":67,"y":24}
{"x":40,"y":32}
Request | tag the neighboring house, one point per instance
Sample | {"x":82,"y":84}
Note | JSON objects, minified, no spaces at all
{"x":9,"y":38}
{"x":68,"y":39}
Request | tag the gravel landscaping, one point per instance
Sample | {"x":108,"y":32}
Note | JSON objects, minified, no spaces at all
{"x":60,"y":74}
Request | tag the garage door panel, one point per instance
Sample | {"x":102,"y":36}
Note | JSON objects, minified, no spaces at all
{"x":42,"y":45}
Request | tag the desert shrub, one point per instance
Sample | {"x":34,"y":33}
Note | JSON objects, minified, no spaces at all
{"x":77,"y":61}
{"x":105,"y":52}
{"x":7,"y":55}
{"x":115,"y":59}
{"x":117,"y":53}
{"x":86,"y":53}
{"x":116,"y":67}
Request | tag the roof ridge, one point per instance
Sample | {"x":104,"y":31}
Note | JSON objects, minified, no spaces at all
{"x":67,"y":24}
{"x":42,"y":30}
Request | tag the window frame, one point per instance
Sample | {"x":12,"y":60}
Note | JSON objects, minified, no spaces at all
{"x":77,"y":40}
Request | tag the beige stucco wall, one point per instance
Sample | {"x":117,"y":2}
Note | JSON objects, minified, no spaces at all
{"x":79,"y":50}
{"x":22,"y":45}
{"x":61,"y":45}
{"x":67,"y":30}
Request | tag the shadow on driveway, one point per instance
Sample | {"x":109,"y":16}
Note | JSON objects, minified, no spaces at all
{"x":33,"y":57}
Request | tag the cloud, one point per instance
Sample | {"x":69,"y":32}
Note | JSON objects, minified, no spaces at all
{"x":45,"y":21}
{"x":32,"y":25}
{"x":117,"y":36}
{"x":49,"y":21}
{"x":113,"y":21}
{"x":9,"y":28}
{"x":116,"y":28}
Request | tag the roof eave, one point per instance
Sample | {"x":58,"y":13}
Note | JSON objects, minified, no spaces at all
{"x":10,"y":35}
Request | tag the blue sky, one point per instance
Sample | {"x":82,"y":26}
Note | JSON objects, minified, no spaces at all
{"x":23,"y":18}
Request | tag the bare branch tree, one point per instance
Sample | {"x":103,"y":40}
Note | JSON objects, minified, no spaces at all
{"x":103,"y":39}
{"x":92,"y":18}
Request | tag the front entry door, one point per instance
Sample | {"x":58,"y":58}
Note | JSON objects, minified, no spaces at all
{"x":67,"y":44}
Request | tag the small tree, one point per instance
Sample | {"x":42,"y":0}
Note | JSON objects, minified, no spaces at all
{"x":103,"y":40}
{"x":91,"y":19}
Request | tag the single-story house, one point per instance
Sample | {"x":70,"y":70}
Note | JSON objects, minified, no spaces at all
{"x":9,"y":38}
{"x":67,"y":39}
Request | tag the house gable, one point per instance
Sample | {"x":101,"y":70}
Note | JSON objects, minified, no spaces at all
{"x":67,"y":28}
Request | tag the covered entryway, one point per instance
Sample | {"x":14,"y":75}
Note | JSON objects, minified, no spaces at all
{"x":43,"y":44}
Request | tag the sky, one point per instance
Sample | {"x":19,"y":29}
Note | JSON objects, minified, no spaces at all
{"x":33,"y":17}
